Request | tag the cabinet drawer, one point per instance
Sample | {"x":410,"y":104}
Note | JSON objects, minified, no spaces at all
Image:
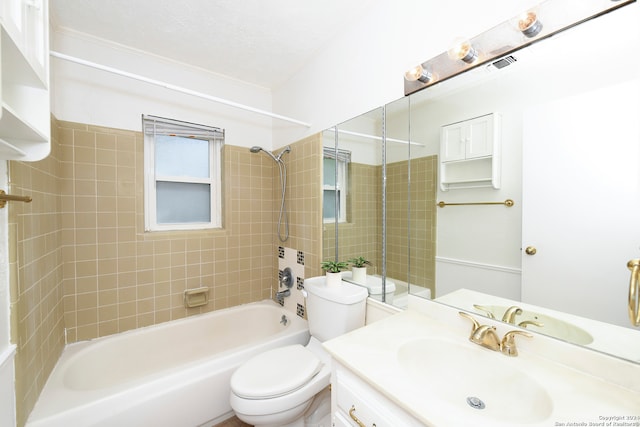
{"x":369,"y":406}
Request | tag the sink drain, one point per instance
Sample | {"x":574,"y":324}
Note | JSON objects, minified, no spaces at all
{"x":475,"y":402}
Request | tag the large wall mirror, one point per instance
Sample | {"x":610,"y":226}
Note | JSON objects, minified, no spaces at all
{"x":569,"y":109}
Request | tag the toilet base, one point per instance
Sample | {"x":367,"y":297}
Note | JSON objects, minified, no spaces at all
{"x":315,"y":412}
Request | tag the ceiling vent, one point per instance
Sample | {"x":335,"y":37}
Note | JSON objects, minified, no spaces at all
{"x":503,"y":62}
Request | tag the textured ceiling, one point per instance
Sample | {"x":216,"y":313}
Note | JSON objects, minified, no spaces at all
{"x":262,"y":42}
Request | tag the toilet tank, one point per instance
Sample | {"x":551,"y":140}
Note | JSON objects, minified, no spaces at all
{"x":335,"y":310}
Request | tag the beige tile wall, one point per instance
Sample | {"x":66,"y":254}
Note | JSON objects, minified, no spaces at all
{"x":304,"y":201}
{"x":361,"y":236}
{"x":117,"y":276}
{"x":35,"y":259}
{"x":420,"y":260}
{"x":82,"y":263}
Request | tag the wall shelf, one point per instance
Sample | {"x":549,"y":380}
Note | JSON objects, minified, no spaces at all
{"x":25,"y":112}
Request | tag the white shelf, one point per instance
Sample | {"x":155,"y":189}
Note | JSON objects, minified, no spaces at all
{"x":25,"y":111}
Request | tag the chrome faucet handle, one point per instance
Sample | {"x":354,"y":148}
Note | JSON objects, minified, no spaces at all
{"x":511,"y":313}
{"x":483,"y":335}
{"x":508,"y":344}
{"x":526,"y":323}
{"x":484,"y":309}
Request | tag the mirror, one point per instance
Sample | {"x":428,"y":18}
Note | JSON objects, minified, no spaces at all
{"x":541,"y":99}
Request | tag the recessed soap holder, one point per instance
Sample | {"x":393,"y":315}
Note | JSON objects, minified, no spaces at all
{"x":196,"y":297}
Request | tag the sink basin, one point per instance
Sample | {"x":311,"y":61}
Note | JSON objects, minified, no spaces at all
{"x":552,"y":326}
{"x":464,"y":375}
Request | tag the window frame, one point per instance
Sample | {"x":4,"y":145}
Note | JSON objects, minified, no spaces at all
{"x":341,"y":185}
{"x":153,"y":126}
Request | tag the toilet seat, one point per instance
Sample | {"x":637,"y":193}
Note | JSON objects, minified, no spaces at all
{"x":275,"y":373}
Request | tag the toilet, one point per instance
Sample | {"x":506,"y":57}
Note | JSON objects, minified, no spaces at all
{"x":374,"y":285}
{"x":288,"y":386}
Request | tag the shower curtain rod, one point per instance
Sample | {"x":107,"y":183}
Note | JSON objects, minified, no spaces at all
{"x":175,"y":88}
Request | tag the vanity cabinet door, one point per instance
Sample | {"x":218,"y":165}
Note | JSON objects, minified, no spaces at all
{"x":352,"y":398}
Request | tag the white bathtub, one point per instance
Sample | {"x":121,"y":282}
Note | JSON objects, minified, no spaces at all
{"x":171,"y":375}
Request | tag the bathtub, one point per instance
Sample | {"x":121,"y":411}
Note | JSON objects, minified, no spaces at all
{"x":174,"y":374}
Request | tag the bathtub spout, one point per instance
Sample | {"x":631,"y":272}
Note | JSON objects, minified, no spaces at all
{"x":282,"y":294}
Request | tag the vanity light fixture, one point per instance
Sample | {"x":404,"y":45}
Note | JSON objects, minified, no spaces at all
{"x":507,"y":38}
{"x":464,"y":51}
{"x":418,"y":73}
{"x":529,"y":25}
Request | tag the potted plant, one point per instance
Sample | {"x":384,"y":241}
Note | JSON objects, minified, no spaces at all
{"x":333,"y":271}
{"x":359,"y":269}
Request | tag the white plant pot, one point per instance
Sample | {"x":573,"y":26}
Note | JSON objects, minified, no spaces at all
{"x":333,"y":279}
{"x":359,"y":275}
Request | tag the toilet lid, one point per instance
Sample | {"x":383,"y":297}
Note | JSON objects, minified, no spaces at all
{"x":275,"y":372}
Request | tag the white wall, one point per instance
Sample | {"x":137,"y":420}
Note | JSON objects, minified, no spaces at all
{"x":358,"y":70}
{"x":86,"y":95}
{"x":363,"y":68}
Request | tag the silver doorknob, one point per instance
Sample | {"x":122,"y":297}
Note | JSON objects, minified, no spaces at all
{"x":530,"y":250}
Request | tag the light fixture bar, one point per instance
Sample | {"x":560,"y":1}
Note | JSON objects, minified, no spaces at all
{"x":549,"y":18}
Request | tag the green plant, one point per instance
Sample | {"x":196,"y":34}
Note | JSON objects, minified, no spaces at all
{"x":359,"y":262}
{"x":334,"y":266}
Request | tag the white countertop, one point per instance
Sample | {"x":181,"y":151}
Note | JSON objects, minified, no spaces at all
{"x":371,"y":353}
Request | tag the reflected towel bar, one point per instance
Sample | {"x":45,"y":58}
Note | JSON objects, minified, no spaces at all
{"x":4,"y":198}
{"x":508,"y":203}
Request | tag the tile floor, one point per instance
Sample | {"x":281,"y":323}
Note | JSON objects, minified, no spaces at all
{"x":233,"y":422}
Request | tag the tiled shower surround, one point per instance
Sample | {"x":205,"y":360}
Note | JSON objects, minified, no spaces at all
{"x":361,"y":235}
{"x":81,"y":262}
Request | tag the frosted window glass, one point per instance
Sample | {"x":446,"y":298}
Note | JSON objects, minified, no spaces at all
{"x":329,"y":172}
{"x":177,"y":156}
{"x":179,"y":202}
{"x":329,"y":204}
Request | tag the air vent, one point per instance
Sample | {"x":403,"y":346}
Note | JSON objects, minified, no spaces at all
{"x":504,"y":62}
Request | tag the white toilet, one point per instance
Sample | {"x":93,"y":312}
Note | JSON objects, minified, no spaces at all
{"x":287,"y":386}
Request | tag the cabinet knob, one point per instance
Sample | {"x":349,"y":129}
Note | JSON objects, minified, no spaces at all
{"x":530,"y":250}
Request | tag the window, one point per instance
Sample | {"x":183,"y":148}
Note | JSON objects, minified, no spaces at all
{"x":335,"y":185}
{"x":182,"y":163}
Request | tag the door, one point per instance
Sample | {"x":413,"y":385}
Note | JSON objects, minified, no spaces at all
{"x":581,"y":202}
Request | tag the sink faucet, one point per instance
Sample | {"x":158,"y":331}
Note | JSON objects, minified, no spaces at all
{"x":486,"y":336}
{"x":511,"y":313}
{"x":526,"y":323}
{"x":483,"y":335}
{"x":508,"y":343}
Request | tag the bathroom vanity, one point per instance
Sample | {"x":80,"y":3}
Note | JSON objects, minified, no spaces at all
{"x":418,"y":367}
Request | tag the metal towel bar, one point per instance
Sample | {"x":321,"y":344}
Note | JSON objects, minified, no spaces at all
{"x":4,"y":198}
{"x":508,"y":203}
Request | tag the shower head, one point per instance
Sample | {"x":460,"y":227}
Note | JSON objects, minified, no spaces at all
{"x":286,"y":150}
{"x":256,"y":149}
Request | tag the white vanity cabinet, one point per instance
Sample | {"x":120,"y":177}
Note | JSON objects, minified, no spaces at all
{"x":470,"y":153}
{"x":353,"y":401}
{"x":24,"y":80}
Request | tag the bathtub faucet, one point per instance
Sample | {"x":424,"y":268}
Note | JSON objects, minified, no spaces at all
{"x":282,"y":294}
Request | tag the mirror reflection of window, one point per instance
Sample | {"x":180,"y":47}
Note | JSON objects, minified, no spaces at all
{"x":335,"y":180}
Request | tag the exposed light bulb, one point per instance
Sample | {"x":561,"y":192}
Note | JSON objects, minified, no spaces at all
{"x":418,"y":73}
{"x":464,"y":51}
{"x":529,"y":24}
